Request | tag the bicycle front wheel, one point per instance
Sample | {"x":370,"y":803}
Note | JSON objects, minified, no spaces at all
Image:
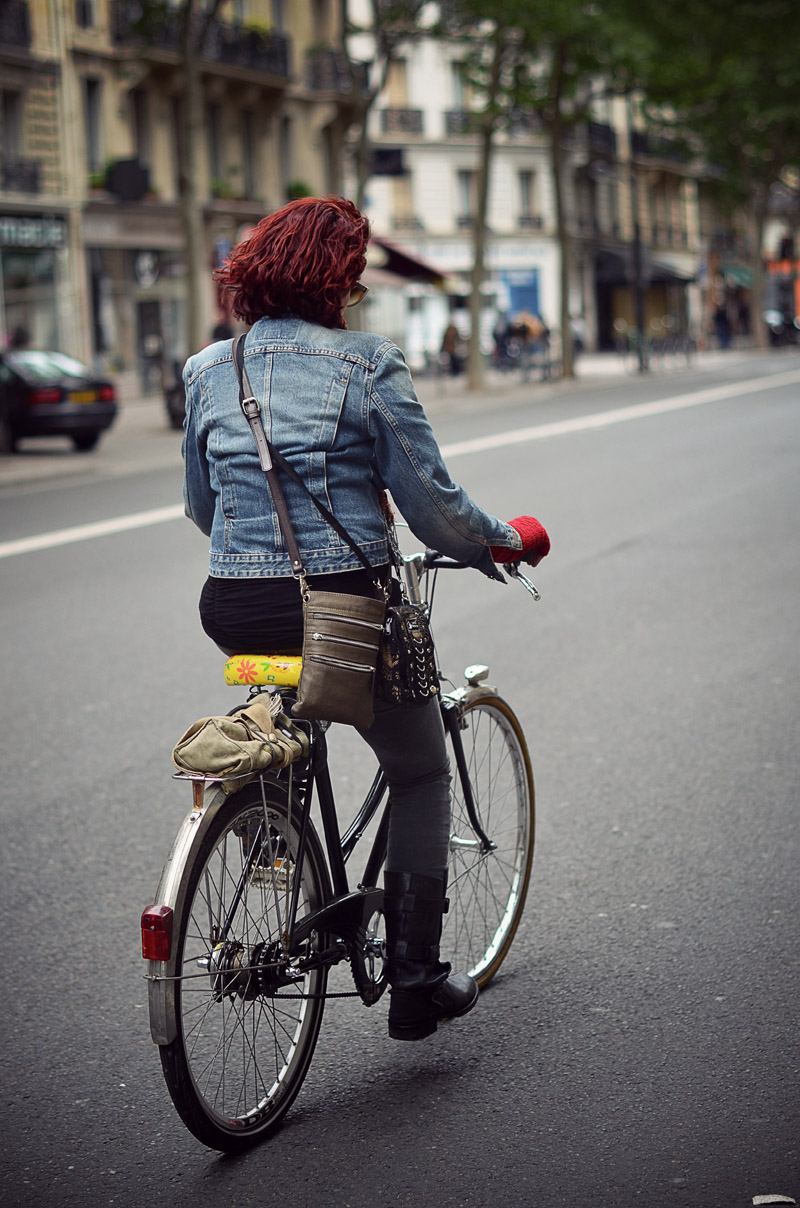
{"x":487,"y":888}
{"x":245,"y":1033}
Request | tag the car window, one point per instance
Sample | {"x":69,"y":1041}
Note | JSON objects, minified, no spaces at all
{"x":38,"y":366}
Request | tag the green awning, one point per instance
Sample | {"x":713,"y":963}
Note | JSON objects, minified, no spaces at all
{"x":739,"y":274}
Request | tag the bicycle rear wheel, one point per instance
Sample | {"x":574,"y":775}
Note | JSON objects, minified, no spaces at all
{"x":244,"y":1038}
{"x":487,"y":889}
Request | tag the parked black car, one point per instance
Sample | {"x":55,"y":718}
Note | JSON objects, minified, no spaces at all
{"x":50,"y":394}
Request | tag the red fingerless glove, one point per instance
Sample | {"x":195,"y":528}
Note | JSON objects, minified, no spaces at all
{"x":535,"y":542}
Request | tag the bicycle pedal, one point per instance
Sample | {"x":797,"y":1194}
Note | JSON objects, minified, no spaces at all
{"x":280,"y":875}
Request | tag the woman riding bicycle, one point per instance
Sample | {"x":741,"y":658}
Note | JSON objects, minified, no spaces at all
{"x":341,"y":408}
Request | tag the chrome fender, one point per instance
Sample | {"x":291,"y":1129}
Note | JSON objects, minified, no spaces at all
{"x":172,"y":892}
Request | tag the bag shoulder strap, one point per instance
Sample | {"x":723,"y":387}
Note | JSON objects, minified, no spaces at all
{"x":269,"y":457}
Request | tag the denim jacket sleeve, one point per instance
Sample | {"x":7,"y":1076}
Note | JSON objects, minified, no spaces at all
{"x":199,"y":499}
{"x":409,"y":461}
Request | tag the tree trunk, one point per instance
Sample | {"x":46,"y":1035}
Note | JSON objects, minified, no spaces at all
{"x":556,"y":124}
{"x":193,"y":27}
{"x":475,"y":376}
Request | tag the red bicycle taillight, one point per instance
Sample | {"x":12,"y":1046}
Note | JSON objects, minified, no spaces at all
{"x":157,"y":933}
{"x":47,"y":394}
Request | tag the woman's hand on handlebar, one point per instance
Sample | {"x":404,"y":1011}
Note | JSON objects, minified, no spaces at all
{"x":535,"y":543}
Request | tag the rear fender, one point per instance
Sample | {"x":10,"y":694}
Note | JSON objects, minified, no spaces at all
{"x":171,"y":892}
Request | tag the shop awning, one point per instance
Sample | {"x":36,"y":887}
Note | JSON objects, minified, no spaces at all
{"x":389,"y":258}
{"x":739,"y":274}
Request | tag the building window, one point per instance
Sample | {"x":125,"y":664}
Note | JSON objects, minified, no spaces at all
{"x":214,"y":132}
{"x":141,"y":126}
{"x":396,"y":90}
{"x":466,"y":187}
{"x":285,"y":151}
{"x":249,"y":153}
{"x":457,"y":87}
{"x":320,"y":17}
{"x":93,"y":122}
{"x":11,"y":115}
{"x":527,"y":181}
{"x":177,"y":141}
{"x":279,"y":15}
{"x":84,"y":13}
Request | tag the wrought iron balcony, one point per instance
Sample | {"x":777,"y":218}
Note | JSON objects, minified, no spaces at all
{"x":328,"y":70}
{"x":461,"y":121}
{"x":15,"y":25}
{"x":21,"y":175}
{"x":233,"y":45}
{"x":530,"y":222}
{"x":402,"y":121}
{"x":658,"y":146}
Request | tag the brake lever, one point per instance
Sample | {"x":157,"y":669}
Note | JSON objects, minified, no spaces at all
{"x":513,"y":570}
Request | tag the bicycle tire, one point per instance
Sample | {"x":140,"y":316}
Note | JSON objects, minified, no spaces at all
{"x":487,"y":890}
{"x":239,"y":1058}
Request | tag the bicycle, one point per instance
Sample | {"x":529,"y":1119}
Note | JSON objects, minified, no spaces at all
{"x":252,"y":910}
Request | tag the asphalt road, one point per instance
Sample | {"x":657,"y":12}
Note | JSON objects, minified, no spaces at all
{"x":640,"y":1044}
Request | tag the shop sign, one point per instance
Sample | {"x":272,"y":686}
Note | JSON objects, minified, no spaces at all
{"x":34,"y":233}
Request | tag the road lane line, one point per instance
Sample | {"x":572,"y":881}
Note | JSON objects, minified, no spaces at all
{"x":604,"y":419}
{"x":585,"y":423}
{"x":85,"y":532}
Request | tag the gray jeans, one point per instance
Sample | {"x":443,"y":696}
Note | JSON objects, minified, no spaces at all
{"x":410,"y":746}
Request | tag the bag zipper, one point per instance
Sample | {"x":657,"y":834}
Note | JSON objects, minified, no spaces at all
{"x":332,"y":616}
{"x":329,"y":637}
{"x":344,"y":664}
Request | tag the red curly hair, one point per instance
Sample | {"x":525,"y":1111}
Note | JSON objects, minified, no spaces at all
{"x":298,"y":261}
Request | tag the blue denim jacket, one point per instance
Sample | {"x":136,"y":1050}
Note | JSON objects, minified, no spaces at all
{"x":341,"y":407}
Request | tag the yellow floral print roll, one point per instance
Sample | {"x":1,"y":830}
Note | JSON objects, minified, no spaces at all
{"x":246,"y":669}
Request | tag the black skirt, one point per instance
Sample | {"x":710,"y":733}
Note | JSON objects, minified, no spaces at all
{"x":265,"y":616}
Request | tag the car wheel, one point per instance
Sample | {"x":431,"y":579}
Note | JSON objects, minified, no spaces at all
{"x":8,"y":441}
{"x":84,"y":442}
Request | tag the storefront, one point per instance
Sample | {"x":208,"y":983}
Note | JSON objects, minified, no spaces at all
{"x":32,"y":256}
{"x":137,"y":289}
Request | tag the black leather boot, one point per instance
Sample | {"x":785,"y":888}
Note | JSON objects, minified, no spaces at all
{"x":422,"y":992}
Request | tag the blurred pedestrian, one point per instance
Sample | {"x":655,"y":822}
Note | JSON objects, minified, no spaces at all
{"x":453,"y":350}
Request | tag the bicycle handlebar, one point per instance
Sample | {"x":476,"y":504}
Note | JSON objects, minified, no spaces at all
{"x":431,"y":559}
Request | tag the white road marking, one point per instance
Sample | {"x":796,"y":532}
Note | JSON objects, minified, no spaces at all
{"x":85,"y":532}
{"x":584,"y":423}
{"x":603,"y":419}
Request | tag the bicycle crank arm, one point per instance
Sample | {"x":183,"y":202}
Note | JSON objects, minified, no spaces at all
{"x":343,"y":916}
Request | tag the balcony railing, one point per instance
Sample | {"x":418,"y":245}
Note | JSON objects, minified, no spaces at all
{"x":234,"y":45}
{"x":461,"y":121}
{"x":15,"y":24}
{"x":21,"y":175}
{"x":658,"y":146}
{"x":328,"y":70}
{"x":402,"y":121}
{"x":530,"y":222}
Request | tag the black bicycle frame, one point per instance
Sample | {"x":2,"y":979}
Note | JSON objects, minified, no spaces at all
{"x":349,"y":909}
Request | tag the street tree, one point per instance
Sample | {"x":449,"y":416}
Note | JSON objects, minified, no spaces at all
{"x":725,"y":74}
{"x":552,"y":61}
{"x":382,"y":28}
